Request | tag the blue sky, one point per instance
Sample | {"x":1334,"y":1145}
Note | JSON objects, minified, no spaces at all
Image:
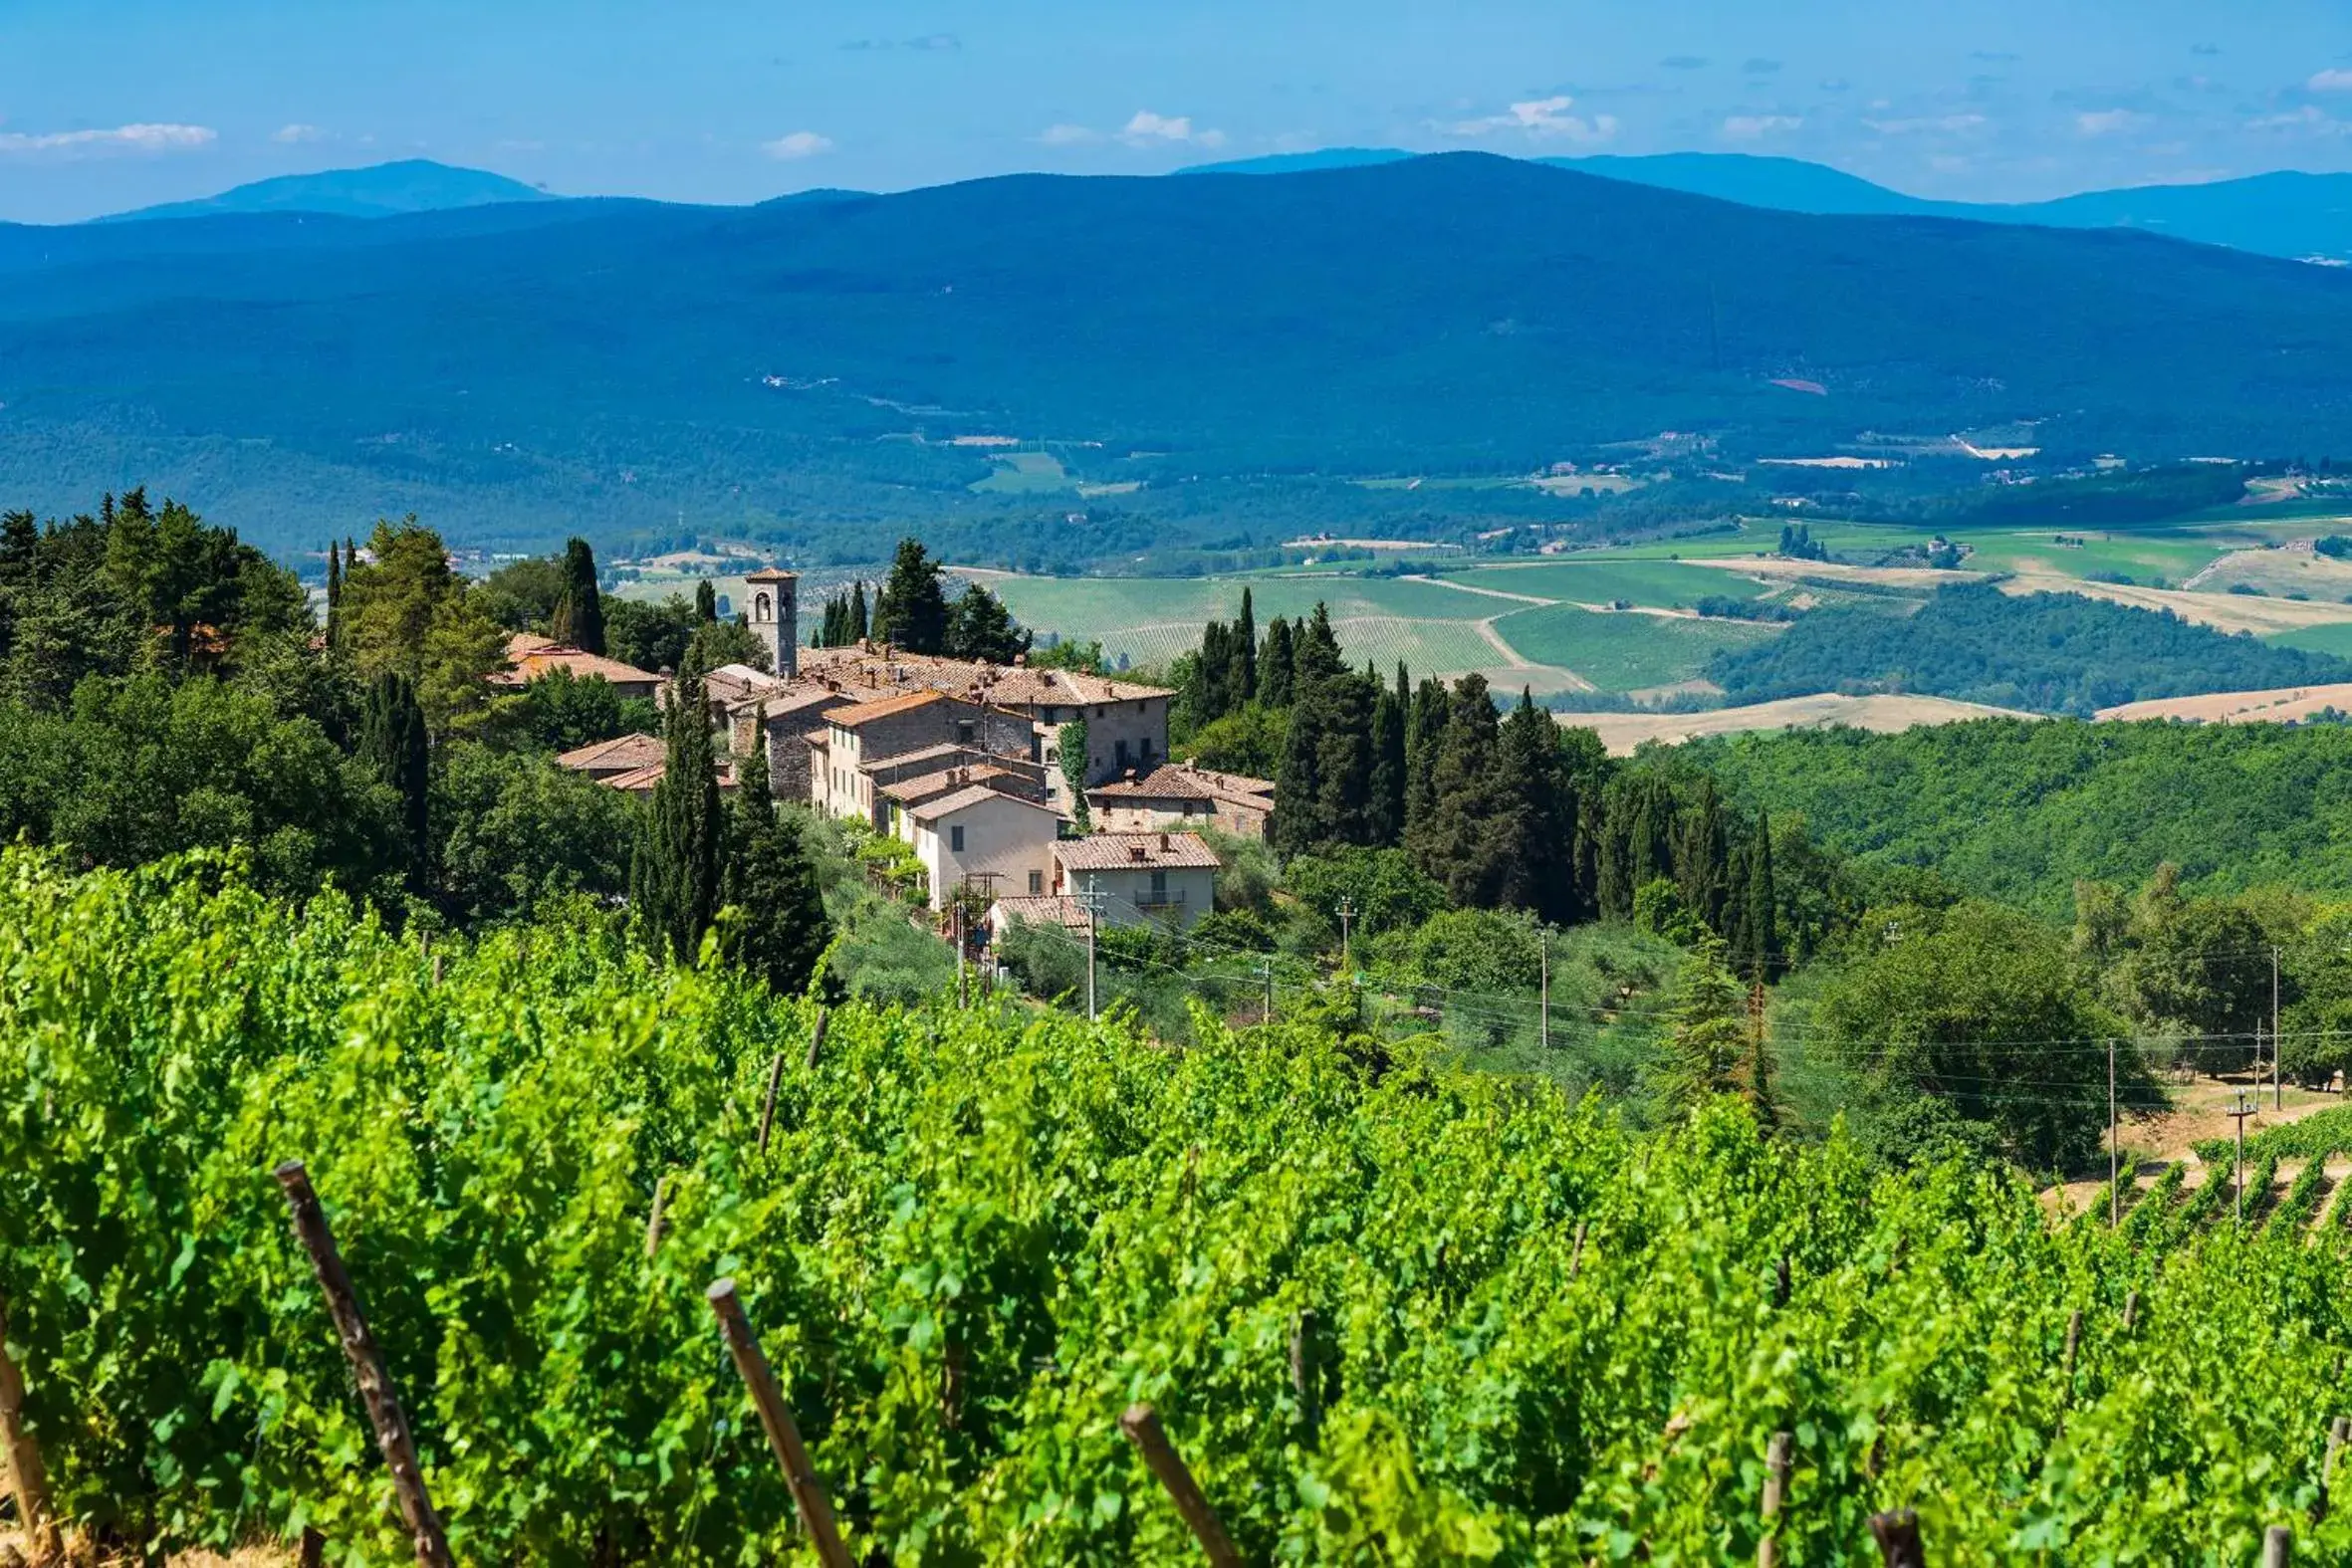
{"x":111,"y":104}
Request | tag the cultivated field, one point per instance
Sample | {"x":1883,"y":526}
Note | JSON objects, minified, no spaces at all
{"x":1625,"y":652}
{"x":1663,"y":584}
{"x":1623,"y":732}
{"x":2286,"y":705}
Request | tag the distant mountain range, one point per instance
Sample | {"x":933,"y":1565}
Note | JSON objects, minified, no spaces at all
{"x":383,"y":191}
{"x":525,"y":368}
{"x":2298,"y":216}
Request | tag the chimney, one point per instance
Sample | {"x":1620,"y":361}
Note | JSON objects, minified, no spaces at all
{"x":1135,"y":852}
{"x":1020,"y":661}
{"x":1164,"y":846}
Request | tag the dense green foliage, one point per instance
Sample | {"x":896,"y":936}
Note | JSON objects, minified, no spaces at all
{"x":2043,"y":653}
{"x":978,"y":1236}
{"x":2022,"y":810}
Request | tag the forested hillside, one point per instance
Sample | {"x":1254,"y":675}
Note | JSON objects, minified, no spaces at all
{"x":974,"y":1236}
{"x":2022,"y":810}
{"x":527,"y":366}
{"x":2045,"y":652}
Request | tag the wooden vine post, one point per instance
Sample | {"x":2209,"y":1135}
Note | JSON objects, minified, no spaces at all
{"x":2279,"y":1546}
{"x":34,"y":1514}
{"x":1778,"y":1462}
{"x":817,"y":1040}
{"x":375,"y":1384}
{"x":783,"y":1434}
{"x":1143,"y":1426}
{"x":1898,"y":1539}
{"x":768,"y":1105}
{"x":1305,"y":1383}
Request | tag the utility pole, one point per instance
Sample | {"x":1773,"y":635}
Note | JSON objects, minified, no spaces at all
{"x":2241,"y":1110}
{"x":2114,"y":1163}
{"x":1346,"y":914}
{"x":2277,"y":1092}
{"x":1094,"y":900}
{"x":1543,"y":961}
{"x":963,"y":983}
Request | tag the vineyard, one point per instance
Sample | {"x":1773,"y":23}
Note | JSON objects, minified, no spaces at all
{"x":1524,"y":1332}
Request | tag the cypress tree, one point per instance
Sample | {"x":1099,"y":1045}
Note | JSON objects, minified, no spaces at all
{"x":333,"y":593}
{"x":775,"y":928}
{"x":859,"y":628}
{"x":392,"y":745}
{"x":1274,"y":665}
{"x":706,"y":601}
{"x":1386,"y":812}
{"x":1211,"y":681}
{"x":579,"y":618}
{"x":1764,"y":917}
{"x":1537,"y":824}
{"x":1245,"y":636}
{"x":1458,"y":844}
{"x":1423,"y":721}
{"x":1702,"y":857}
{"x":674,"y":878}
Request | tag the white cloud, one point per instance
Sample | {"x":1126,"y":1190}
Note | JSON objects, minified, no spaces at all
{"x":1924,"y":123}
{"x":1148,"y":129}
{"x":800,"y":145}
{"x":122,"y":138}
{"x":297,"y":135}
{"x":2331,"y":82}
{"x":2108,"y":121}
{"x":1755,"y":127}
{"x":1541,"y":119}
{"x":1069,"y":136}
{"x":2309,"y":117}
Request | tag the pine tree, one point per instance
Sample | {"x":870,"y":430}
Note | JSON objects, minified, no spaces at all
{"x":859,"y":628}
{"x":774,"y":927}
{"x":706,"y":601}
{"x":911,"y":614}
{"x":579,"y":620}
{"x":392,"y":745}
{"x":1245,"y":636}
{"x":980,"y":627}
{"x":1763,"y":914}
{"x":674,"y":878}
{"x":1707,"y":1039}
{"x":1274,"y":665}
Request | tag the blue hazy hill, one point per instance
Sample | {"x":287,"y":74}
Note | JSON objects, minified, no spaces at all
{"x":2290,"y":214}
{"x":383,"y":190}
{"x":517,"y":369}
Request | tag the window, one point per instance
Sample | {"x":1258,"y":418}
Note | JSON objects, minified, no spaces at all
{"x":760,"y":609}
{"x":963,"y":732}
{"x":954,"y":838}
{"x":1036,"y":883}
{"x":1159,"y":887}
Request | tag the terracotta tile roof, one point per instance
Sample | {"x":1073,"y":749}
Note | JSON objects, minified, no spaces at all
{"x":965,"y":798}
{"x":1124,"y":851}
{"x":1183,"y":781}
{"x":622,"y":753}
{"x":887,"y":707}
{"x":1049,"y":909}
{"x":926,"y":786}
{"x":640,"y":781}
{"x":532,"y":657}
